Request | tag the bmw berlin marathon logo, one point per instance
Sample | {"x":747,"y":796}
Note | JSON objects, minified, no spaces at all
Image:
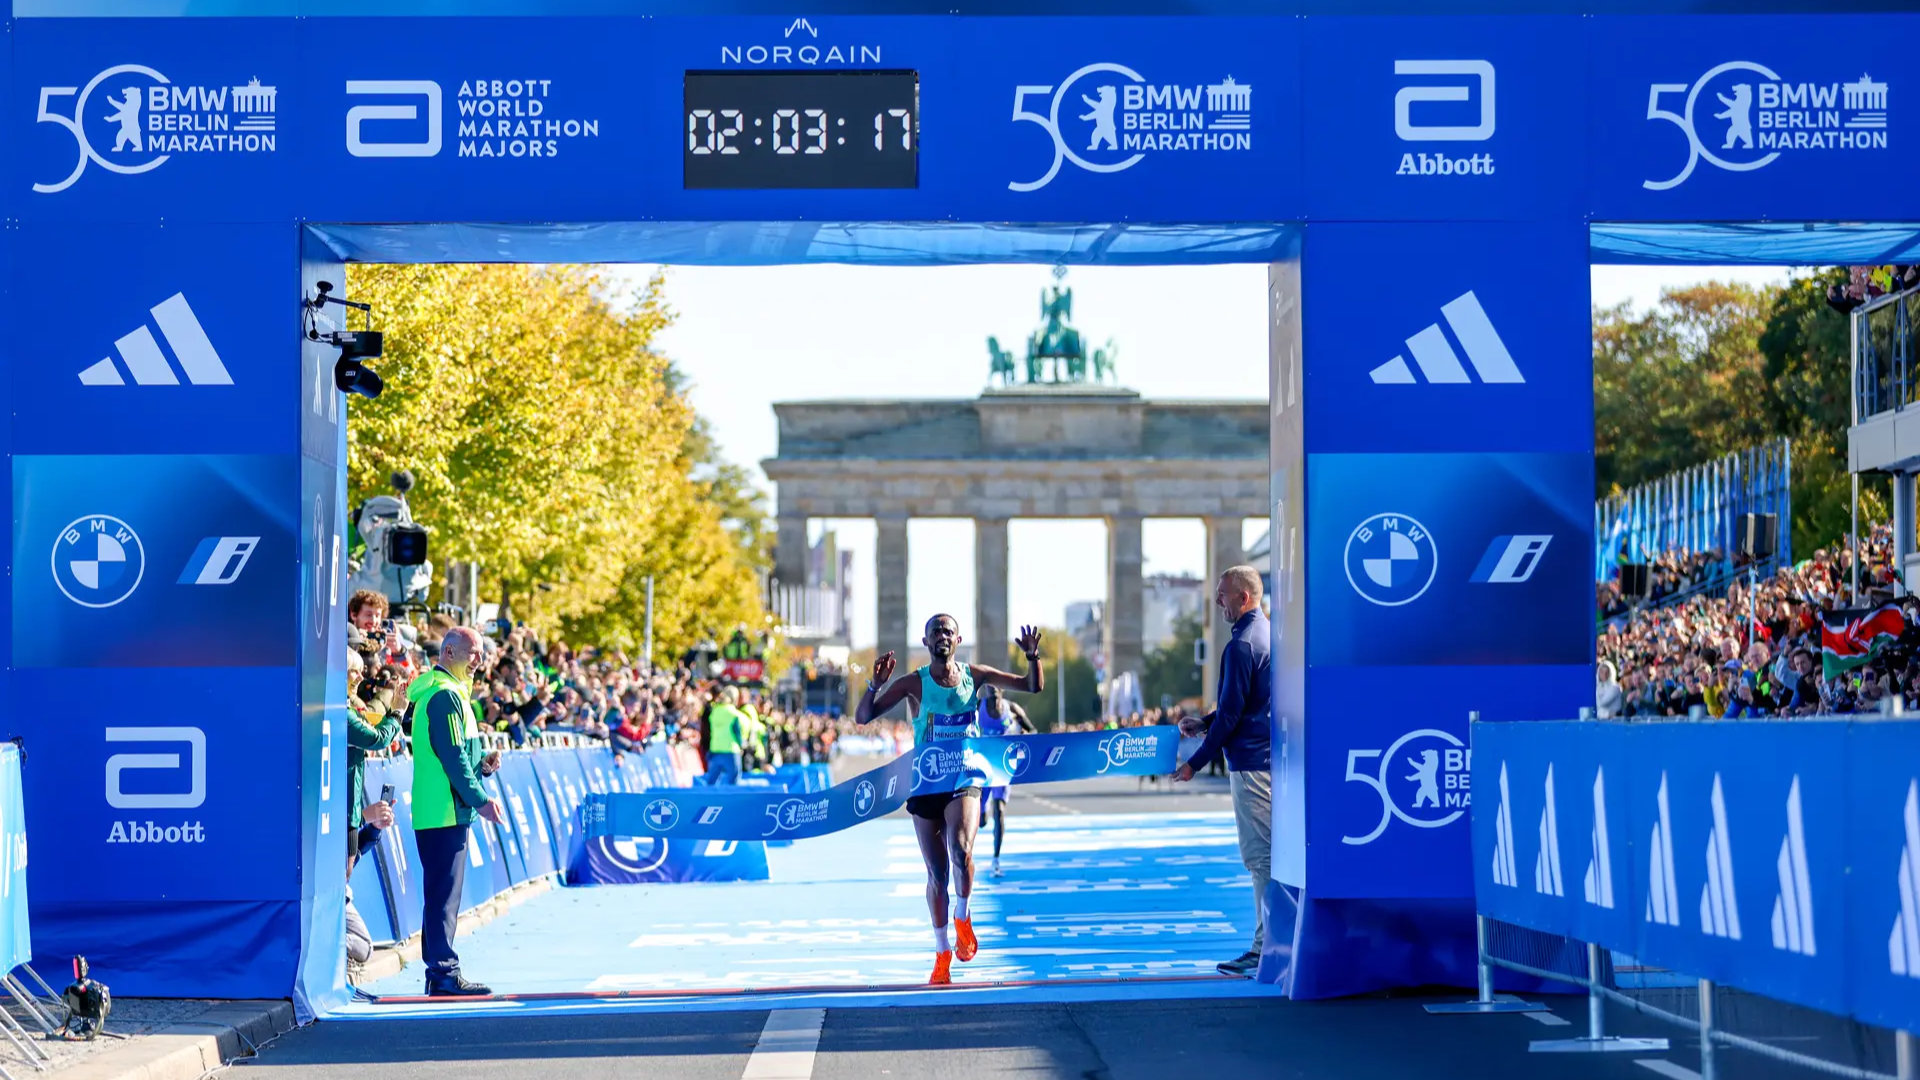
{"x":1391,"y":559}
{"x":1106,"y":118}
{"x":1741,"y":116}
{"x":131,"y":119}
{"x":98,"y":561}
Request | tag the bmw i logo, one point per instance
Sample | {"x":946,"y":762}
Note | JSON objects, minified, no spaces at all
{"x":98,"y":561}
{"x":1391,"y":559}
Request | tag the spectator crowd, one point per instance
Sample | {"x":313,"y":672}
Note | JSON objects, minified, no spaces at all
{"x":1704,"y":653}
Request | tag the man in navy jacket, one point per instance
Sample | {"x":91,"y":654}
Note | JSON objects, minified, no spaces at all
{"x":1241,"y":726}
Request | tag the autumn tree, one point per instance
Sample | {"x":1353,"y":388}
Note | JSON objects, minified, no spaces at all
{"x":550,"y":444}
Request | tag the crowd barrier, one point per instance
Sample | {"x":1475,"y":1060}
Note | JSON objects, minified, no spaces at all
{"x":1779,"y":857}
{"x":543,"y":789}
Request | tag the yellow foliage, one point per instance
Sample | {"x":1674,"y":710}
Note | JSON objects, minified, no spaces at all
{"x":548,"y":445}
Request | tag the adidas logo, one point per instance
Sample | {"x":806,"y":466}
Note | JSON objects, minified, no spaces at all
{"x":1719,"y":908}
{"x":1438,"y":362}
{"x":1546,"y":867}
{"x":1903,"y":945}
{"x":1663,"y":897}
{"x":148,"y":366}
{"x":1503,"y":868}
{"x":1598,"y":886}
{"x":1793,"y":908}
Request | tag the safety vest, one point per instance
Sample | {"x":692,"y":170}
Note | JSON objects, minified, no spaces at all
{"x":434,"y":806}
{"x":725,"y":725}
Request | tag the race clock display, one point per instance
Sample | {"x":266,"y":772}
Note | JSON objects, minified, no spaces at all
{"x":802,"y":129}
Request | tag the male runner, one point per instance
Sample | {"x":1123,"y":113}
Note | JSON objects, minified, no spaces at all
{"x":945,"y":701}
{"x":998,"y":716}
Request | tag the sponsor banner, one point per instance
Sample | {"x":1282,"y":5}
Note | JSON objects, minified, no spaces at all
{"x":186,"y":346}
{"x":1487,"y":346}
{"x":639,"y":860}
{"x":139,"y":120}
{"x":1449,"y":559}
{"x":1717,"y":119}
{"x":933,"y":768}
{"x":1425,"y":118}
{"x":154,"y":562}
{"x":1881,"y":833}
{"x":158,"y":785}
{"x":1739,"y":856}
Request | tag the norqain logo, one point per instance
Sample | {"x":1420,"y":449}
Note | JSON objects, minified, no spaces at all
{"x":799,"y":45}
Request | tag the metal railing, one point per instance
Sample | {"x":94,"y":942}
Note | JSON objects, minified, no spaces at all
{"x":1886,"y":338}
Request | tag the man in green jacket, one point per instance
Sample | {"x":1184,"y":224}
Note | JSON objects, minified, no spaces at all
{"x":726,"y":728}
{"x":447,"y":766}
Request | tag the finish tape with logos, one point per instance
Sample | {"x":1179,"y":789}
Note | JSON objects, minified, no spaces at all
{"x":930,"y":769}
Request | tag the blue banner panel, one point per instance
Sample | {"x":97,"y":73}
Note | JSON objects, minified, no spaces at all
{"x":1448,"y":337}
{"x":562,"y":787}
{"x":1551,"y":843}
{"x":154,"y":561}
{"x":1442,"y":118}
{"x":16,"y":942}
{"x":144,"y":119}
{"x":637,"y":860}
{"x":370,"y":900}
{"x":1730,"y":118}
{"x":1449,"y":559}
{"x":1389,"y":770}
{"x":399,"y":855}
{"x":187,"y":349}
{"x":528,"y":812}
{"x":1882,"y":943}
{"x":933,"y":768}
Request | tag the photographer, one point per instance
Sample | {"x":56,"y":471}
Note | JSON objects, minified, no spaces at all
{"x":372,"y":724}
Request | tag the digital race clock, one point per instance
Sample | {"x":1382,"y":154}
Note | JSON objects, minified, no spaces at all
{"x":802,"y":129}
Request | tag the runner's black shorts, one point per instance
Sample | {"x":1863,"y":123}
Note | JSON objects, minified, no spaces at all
{"x":934,"y":807}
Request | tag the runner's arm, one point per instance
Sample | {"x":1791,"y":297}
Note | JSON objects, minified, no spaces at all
{"x":874,"y":702}
{"x":1032,"y":682}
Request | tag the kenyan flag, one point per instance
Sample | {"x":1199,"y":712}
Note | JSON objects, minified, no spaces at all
{"x":1849,"y":639}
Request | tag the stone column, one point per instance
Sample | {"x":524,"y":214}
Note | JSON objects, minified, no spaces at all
{"x":990,"y":632}
{"x":890,"y":568}
{"x":1125,"y":615}
{"x":1223,"y":550}
{"x":790,"y":550}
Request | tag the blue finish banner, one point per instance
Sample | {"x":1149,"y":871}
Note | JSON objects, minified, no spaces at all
{"x":931,"y":769}
{"x":1778,"y":857}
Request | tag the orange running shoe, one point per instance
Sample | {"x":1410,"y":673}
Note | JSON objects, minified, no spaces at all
{"x":965,"y":945}
{"x":941,"y":962}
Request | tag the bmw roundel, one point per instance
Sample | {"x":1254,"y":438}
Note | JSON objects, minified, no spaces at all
{"x":1391,"y":559}
{"x":662,"y":814}
{"x":98,"y":561}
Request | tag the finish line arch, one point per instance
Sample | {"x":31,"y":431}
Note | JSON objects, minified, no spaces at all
{"x":1428,"y":193}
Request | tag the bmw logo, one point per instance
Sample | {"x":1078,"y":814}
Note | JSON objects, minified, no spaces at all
{"x":662,"y":814}
{"x":1391,"y":559}
{"x":633,"y":854}
{"x":863,"y":798}
{"x":98,"y":561}
{"x":1015,"y":759}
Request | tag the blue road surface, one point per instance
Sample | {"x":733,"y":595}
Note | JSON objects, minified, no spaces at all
{"x":1089,"y":907}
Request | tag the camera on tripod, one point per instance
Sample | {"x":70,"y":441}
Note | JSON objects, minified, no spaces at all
{"x":395,"y":563}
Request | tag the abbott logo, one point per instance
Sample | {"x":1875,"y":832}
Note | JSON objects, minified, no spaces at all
{"x":148,"y":366}
{"x":1480,"y":71}
{"x":119,"y":764}
{"x":428,"y":94}
{"x":1438,"y":362}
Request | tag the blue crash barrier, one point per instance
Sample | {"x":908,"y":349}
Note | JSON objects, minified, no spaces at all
{"x":1780,"y":857}
{"x":542,"y":791}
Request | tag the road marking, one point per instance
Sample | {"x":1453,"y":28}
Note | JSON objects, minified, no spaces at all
{"x":1548,"y":1019}
{"x":1667,"y":1068}
{"x":1054,"y":806}
{"x":786,"y":1047}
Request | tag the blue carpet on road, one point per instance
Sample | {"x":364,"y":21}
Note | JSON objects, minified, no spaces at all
{"x":1090,"y":907}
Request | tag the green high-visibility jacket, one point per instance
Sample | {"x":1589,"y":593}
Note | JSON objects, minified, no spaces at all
{"x":725,"y":727}
{"x":446,"y":764}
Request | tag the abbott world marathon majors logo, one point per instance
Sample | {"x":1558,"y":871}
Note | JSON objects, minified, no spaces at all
{"x":1106,"y":118}
{"x":1423,"y":779}
{"x":1742,"y":116}
{"x":131,"y":119}
{"x":493,"y":118}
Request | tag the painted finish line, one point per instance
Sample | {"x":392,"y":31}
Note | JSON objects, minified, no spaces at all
{"x":707,"y":814}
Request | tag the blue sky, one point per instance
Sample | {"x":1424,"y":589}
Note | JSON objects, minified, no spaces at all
{"x":751,"y":336}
